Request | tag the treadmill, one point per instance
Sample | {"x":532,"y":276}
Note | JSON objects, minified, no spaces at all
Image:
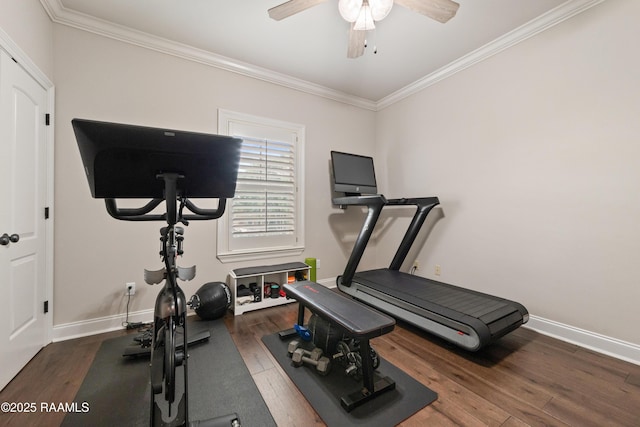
{"x":466,"y":318}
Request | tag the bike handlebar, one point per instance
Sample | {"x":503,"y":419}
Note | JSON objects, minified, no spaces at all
{"x":143,"y":213}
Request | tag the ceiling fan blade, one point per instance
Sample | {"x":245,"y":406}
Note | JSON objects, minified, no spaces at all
{"x":291,"y":7}
{"x":356,"y":42}
{"x":440,"y":10}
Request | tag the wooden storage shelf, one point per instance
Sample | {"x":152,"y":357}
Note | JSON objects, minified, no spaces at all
{"x":248,"y":285}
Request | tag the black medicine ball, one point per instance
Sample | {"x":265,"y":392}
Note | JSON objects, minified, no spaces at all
{"x":212,"y":300}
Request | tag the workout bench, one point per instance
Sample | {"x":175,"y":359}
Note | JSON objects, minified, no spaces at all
{"x":358,"y":321}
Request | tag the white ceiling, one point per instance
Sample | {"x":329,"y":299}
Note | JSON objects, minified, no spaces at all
{"x":308,"y":50}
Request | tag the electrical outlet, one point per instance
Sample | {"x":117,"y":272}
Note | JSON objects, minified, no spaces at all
{"x":438,"y":270}
{"x":318,"y":263}
{"x":416,"y":265}
{"x":130,"y":288}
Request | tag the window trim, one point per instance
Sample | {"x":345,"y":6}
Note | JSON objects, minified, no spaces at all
{"x":223,"y":251}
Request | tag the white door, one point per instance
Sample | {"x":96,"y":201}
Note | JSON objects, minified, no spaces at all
{"x":23,"y":179}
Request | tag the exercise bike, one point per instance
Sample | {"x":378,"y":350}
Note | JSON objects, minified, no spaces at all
{"x":180,"y":163}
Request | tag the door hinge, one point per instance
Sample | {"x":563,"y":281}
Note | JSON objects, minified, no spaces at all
{"x":47,"y":119}
{"x":46,"y":307}
{"x":46,"y":212}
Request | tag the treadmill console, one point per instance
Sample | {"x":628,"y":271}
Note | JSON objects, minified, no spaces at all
{"x":353,"y":174}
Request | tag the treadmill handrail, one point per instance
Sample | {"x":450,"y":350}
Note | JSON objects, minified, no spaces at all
{"x":372,"y":199}
{"x":375,"y":203}
{"x":416,"y":201}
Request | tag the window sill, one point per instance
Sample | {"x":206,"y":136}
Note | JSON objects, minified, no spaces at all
{"x":259,"y":254}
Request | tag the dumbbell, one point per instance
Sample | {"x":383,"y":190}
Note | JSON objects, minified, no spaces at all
{"x":293,"y":345}
{"x":313,"y":357}
{"x":314,"y":354}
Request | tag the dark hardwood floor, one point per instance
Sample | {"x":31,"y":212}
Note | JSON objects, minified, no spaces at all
{"x":524,"y":379}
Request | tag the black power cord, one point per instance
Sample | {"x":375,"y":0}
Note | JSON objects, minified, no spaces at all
{"x":126,"y":323}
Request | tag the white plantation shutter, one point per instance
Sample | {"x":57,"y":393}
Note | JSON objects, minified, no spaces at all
{"x":265,"y":200}
{"x":265,"y":217}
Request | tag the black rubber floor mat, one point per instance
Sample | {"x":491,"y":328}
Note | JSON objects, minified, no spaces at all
{"x":324,"y":392}
{"x":117,"y":391}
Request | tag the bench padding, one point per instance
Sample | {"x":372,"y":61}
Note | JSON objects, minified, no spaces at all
{"x":357,"y":319}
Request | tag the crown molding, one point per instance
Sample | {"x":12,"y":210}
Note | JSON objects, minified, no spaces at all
{"x":13,"y":49}
{"x":530,"y":29}
{"x":61,"y":15}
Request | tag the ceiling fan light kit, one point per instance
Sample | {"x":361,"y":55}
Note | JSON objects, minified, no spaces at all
{"x":362,"y":14}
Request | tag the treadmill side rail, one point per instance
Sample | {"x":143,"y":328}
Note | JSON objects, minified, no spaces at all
{"x":374,"y":208}
{"x":424,"y":206}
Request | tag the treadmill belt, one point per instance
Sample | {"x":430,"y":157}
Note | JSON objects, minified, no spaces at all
{"x":447,"y":300}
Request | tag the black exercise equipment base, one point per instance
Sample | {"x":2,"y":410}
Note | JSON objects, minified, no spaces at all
{"x":357,"y":398}
{"x":139,"y":351}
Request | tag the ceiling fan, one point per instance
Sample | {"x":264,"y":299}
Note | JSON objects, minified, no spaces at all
{"x":363,"y":13}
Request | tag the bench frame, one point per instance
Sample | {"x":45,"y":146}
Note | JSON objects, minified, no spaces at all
{"x":357,"y":321}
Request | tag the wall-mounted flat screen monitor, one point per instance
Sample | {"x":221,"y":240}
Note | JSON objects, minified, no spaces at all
{"x":123,"y":161}
{"x":353,"y":174}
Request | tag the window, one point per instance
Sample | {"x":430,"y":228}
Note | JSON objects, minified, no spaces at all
{"x":265,"y":218}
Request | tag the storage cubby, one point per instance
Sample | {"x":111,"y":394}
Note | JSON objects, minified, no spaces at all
{"x":253,"y":288}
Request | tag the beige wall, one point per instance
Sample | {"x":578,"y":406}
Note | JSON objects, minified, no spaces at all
{"x":29,"y":26}
{"x":534,"y":154}
{"x":102,"y":79}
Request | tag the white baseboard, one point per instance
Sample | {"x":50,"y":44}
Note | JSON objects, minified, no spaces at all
{"x":67,"y":331}
{"x":84,"y":328}
{"x":613,"y":347}
{"x":328,"y":283}
{"x":602,"y":344}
